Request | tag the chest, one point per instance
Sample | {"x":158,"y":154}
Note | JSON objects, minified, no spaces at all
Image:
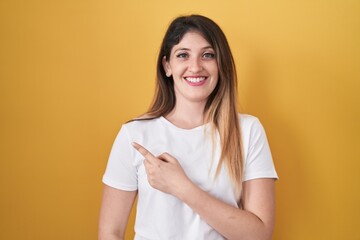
{"x":197,"y":154}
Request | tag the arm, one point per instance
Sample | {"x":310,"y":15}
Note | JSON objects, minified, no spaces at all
{"x":115,"y":209}
{"x":255,"y":221}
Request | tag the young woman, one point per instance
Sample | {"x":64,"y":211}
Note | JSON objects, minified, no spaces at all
{"x":200,"y":169}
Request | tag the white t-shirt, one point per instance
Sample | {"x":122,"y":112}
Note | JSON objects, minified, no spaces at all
{"x":161,"y":216}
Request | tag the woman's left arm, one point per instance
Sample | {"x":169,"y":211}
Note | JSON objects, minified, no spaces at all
{"x":255,"y":221}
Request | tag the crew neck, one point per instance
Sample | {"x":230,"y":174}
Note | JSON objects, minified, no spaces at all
{"x":168,"y":123}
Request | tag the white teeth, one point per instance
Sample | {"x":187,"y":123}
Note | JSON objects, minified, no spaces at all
{"x":195,"y":80}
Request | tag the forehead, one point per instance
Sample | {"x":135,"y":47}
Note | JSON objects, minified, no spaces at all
{"x":192,"y":40}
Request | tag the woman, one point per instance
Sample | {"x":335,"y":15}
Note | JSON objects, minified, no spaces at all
{"x":200,"y":169}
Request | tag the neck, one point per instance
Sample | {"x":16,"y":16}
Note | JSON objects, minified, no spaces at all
{"x":187,"y":114}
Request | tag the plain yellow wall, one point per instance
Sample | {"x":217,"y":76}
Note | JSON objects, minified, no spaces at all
{"x":71,"y":72}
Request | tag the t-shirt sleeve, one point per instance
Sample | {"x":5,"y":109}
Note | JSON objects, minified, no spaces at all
{"x":121,"y":172}
{"x":258,"y":163}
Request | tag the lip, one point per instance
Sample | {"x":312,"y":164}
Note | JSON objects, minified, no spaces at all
{"x":195,"y":80}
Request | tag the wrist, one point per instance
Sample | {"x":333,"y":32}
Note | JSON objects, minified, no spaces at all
{"x":184,"y":190}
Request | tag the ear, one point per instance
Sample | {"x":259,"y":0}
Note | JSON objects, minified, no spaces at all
{"x":166,"y":67}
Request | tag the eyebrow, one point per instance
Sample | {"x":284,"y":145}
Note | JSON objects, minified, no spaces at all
{"x":188,"y":49}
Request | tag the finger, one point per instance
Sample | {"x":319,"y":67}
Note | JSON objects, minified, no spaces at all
{"x":146,"y":164}
{"x":166,"y":157}
{"x":143,"y":151}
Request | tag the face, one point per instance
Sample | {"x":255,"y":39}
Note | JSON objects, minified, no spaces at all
{"x":193,"y":66}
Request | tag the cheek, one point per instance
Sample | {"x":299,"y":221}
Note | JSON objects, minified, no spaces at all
{"x":178,"y":70}
{"x":216,"y":69}
{"x":215,"y":73}
{"x":216,"y":77}
{"x":213,"y":68}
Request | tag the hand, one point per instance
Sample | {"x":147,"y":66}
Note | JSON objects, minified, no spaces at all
{"x":163,"y":172}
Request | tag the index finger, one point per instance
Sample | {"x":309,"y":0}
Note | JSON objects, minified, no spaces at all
{"x":143,"y":151}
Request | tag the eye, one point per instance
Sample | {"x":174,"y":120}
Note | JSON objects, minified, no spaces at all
{"x":182,"y":55}
{"x":209,"y":55}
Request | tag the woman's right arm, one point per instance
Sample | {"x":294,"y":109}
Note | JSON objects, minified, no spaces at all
{"x":115,"y":210}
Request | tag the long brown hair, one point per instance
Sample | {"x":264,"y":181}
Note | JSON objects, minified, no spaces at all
{"x":220,"y":109}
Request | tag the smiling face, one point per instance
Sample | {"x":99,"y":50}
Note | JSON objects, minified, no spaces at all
{"x":193,"y":66}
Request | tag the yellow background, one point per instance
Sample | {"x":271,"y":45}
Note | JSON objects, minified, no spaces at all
{"x":71,"y":72}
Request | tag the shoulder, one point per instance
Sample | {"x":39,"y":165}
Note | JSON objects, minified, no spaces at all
{"x":133,"y":129}
{"x":248,"y":122}
{"x":141,"y":124}
{"x":251,"y":128}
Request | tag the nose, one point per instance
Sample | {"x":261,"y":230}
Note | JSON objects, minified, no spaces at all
{"x":195,"y":65}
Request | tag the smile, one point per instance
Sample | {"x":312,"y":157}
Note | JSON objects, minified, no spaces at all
{"x":195,"y":79}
